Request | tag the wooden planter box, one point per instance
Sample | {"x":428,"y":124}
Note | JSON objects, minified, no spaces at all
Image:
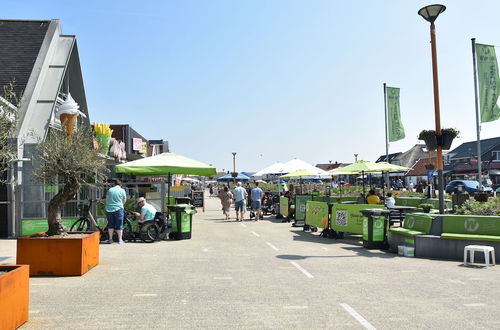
{"x":14,"y":296}
{"x":59,"y":256}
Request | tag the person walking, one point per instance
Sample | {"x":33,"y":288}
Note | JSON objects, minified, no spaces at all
{"x":115,"y":211}
{"x":240,"y":197}
{"x":256,"y":196}
{"x":226,"y":199}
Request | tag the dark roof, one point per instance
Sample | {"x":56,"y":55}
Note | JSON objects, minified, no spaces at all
{"x":20,"y":42}
{"x":419,"y":167}
{"x":329,"y":166}
{"x":469,"y":149}
{"x":383,"y":158}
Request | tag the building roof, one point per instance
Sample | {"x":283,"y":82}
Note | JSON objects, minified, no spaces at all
{"x":329,"y":166}
{"x":383,"y":158}
{"x":469,"y":149}
{"x":20,"y":43}
{"x":419,"y":167}
{"x":410,"y":157}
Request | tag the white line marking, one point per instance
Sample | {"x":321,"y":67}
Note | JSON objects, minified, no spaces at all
{"x":301,"y":269}
{"x":295,"y":307}
{"x":475,"y":305}
{"x":41,"y":284}
{"x":408,"y":271}
{"x":145,"y":295}
{"x":204,"y":250}
{"x":243,"y":225}
{"x":324,"y":248}
{"x":272,"y":246}
{"x":456,"y":281}
{"x":358,"y":317}
{"x":223,"y":278}
{"x":34,"y":312}
{"x":255,"y":233}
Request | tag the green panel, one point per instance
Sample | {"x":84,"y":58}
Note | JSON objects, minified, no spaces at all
{"x":284,"y":206}
{"x":467,"y":237}
{"x":418,"y":221}
{"x":378,"y":228}
{"x":435,"y":203}
{"x":173,"y":216}
{"x":300,"y":206}
{"x":409,"y":201}
{"x":348,"y":218}
{"x":33,"y":226}
{"x":409,"y":241}
{"x":317,"y":214}
{"x":471,"y":224}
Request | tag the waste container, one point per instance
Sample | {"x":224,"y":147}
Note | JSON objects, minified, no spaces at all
{"x":182,"y":220}
{"x":182,"y":200}
{"x":375,"y":224}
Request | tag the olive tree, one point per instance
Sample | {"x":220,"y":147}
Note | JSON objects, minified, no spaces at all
{"x":70,"y":161}
{"x":8,"y":121}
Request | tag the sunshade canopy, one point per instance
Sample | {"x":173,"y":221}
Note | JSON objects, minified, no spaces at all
{"x":164,"y":164}
{"x":387,"y":167}
{"x":357,"y":167}
{"x":298,"y":174}
{"x":229,"y":177}
{"x":276,"y":168}
{"x":298,"y":164}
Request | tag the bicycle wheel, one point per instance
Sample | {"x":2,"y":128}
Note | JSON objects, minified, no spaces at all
{"x":127,"y":234}
{"x":149,"y":232}
{"x":81,"y":224}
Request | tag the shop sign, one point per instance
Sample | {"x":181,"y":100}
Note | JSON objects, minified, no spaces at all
{"x":144,"y":148}
{"x":136,"y":144}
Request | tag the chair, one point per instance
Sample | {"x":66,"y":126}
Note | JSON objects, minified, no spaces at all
{"x":480,"y":248}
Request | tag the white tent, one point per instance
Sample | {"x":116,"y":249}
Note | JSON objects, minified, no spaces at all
{"x":298,"y":164}
{"x":276,"y":168}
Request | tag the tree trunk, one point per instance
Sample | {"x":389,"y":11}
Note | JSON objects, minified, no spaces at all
{"x":56,"y":205}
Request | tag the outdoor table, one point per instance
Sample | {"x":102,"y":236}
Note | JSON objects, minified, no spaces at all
{"x":398,"y":212}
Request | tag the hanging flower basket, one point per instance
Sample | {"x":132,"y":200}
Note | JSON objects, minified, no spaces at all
{"x":430,"y":139}
{"x":447,"y":136}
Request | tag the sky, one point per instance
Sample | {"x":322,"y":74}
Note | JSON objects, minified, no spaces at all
{"x":273,"y":80}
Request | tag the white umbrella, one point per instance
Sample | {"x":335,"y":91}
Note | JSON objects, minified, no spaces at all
{"x":276,"y":168}
{"x":298,"y":164}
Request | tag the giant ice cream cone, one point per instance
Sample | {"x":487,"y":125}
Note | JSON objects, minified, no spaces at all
{"x":68,"y":112}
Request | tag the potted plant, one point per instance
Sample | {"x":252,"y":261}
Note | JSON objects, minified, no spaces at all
{"x":425,"y":207}
{"x":14,"y":295}
{"x":69,"y":162}
{"x":447,"y":136}
{"x":430,"y":139}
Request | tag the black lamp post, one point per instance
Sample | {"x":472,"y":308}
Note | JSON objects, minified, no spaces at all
{"x":234,"y":174}
{"x":430,"y":13}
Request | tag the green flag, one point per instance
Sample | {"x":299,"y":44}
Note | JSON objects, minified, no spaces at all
{"x":489,"y":83}
{"x":394,"y":123}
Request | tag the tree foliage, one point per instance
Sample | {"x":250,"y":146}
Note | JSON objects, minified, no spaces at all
{"x":68,"y":160}
{"x":8,"y":121}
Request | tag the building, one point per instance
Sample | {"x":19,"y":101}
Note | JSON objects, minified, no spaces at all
{"x":463,"y":162}
{"x":44,"y":65}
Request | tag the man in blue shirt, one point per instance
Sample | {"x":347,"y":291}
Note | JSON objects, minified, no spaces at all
{"x":256,"y":195}
{"x":240,"y":196}
{"x":148,"y":211}
{"x":115,"y":212}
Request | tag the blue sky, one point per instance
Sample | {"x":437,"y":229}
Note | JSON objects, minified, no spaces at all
{"x":274,"y":79}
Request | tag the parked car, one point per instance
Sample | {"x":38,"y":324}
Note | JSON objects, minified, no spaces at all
{"x":469,"y":186}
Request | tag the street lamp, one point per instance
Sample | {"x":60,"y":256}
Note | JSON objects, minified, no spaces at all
{"x":430,"y":13}
{"x":355,"y":158}
{"x":234,"y":174}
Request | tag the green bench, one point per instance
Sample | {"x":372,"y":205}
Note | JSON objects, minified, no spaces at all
{"x":471,"y":228}
{"x":414,"y":224}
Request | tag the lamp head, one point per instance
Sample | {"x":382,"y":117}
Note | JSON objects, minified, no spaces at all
{"x":431,"y":12}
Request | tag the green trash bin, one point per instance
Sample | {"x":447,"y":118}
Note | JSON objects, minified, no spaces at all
{"x":181,"y":216}
{"x":375,"y":222}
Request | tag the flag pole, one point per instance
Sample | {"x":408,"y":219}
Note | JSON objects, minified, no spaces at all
{"x":386,"y":133}
{"x":478,"y":125}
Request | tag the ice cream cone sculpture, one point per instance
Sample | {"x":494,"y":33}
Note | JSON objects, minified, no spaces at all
{"x":68,"y":113}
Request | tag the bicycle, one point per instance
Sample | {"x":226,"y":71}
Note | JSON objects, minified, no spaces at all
{"x":86,"y":221}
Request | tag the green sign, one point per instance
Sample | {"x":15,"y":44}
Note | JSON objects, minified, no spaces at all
{"x":284,"y":206}
{"x":394,"y":123}
{"x":471,"y":224}
{"x":317,"y":214}
{"x":300,"y":206}
{"x":347,"y":218}
{"x":489,"y":82}
{"x":378,"y":228}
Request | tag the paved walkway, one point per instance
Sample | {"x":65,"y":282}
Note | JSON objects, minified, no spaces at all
{"x":255,"y":275}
